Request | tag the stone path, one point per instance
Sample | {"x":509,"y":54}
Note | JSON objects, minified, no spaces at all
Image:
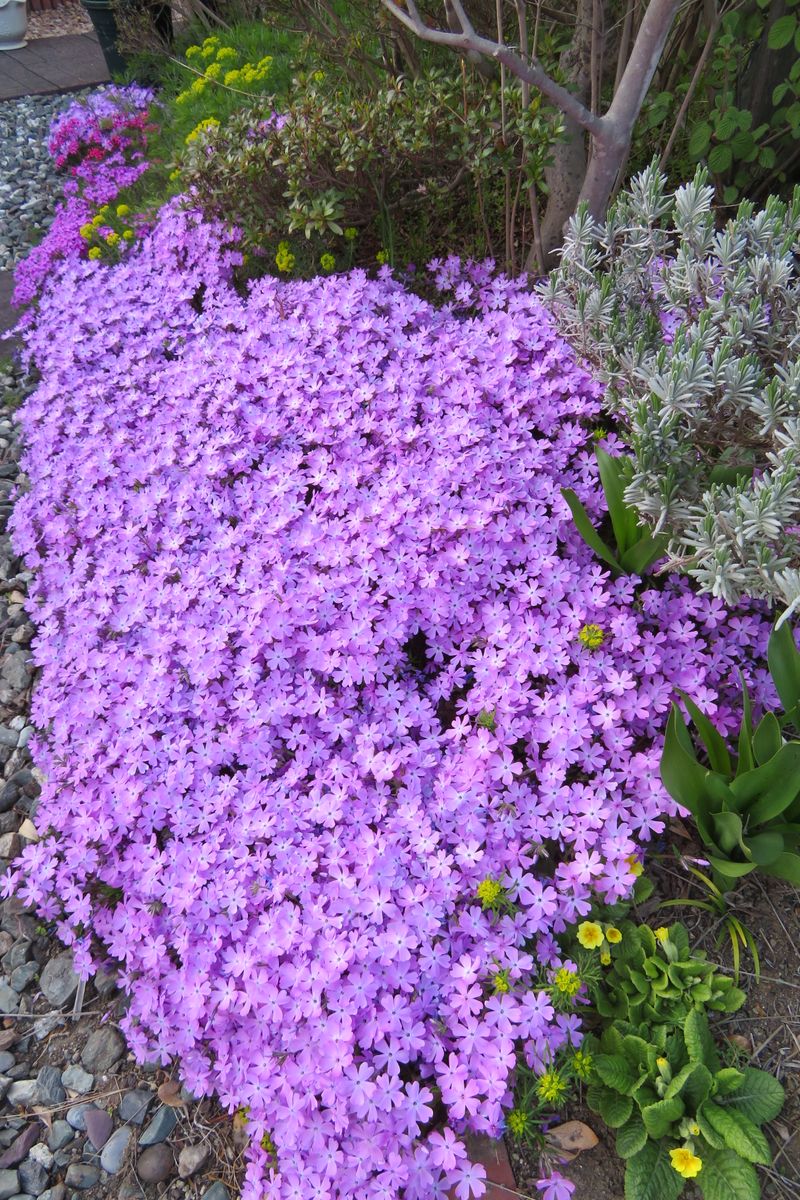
{"x":52,"y":64}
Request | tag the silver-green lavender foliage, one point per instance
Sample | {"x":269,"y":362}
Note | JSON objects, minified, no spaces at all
{"x":696,"y":331}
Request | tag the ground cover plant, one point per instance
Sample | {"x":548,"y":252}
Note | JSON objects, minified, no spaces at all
{"x":343,"y":723}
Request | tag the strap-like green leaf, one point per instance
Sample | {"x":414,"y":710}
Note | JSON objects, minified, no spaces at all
{"x":644,"y":553}
{"x":712,"y":739}
{"x":766,"y":792}
{"x":588,"y":532}
{"x":624,"y":519}
{"x":767,"y":739}
{"x":784,"y":665}
{"x":786,"y":866}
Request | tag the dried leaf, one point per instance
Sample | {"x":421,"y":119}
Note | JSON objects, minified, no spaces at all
{"x":738,"y":1039}
{"x":571,"y":1138}
{"x":45,"y":1116}
{"x":170,"y":1093}
{"x":8,"y":1037}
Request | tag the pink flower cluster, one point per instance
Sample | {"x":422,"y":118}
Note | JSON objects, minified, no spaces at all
{"x":101,"y":141}
{"x":309,"y":608}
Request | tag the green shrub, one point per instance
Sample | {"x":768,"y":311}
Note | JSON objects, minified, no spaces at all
{"x":416,"y":166}
{"x":695,"y":331}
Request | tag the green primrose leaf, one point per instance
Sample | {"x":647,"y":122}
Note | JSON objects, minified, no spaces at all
{"x":631,"y":1137}
{"x":617,"y":1073}
{"x":760,"y":1096}
{"x":649,"y":1175}
{"x":624,"y":520}
{"x":725,"y":1176}
{"x":658,"y":1117}
{"x":738,"y":1132}
{"x":699,"y":1042}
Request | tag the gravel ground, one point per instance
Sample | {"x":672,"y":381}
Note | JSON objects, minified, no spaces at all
{"x":70,"y":18}
{"x":28,"y":177}
{"x":78,"y":1117}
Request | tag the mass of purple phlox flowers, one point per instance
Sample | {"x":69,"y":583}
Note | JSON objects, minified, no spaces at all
{"x":100,"y":142}
{"x":309,"y":605}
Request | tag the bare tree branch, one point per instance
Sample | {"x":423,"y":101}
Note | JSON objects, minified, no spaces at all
{"x":470,"y":41}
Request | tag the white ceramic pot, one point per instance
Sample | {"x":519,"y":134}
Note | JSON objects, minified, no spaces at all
{"x":13,"y":24}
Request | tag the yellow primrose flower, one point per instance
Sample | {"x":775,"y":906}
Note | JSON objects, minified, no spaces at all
{"x":662,"y":933}
{"x":685,"y":1163}
{"x":634,"y":866}
{"x":592,"y":637}
{"x":694,"y":1129}
{"x":95,"y":252}
{"x":590,"y":935}
{"x":605,"y":957}
{"x":613,"y":935}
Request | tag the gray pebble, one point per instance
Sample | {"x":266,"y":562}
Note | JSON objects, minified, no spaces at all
{"x":155,"y":1164}
{"x":160,"y":1127}
{"x":9,"y":1000}
{"x":82,"y":1176}
{"x":134,"y":1105}
{"x":58,"y":981}
{"x":23,"y":1093}
{"x":33,"y":1177}
{"x":61,"y":1133}
{"x":77,"y":1116}
{"x":217,"y":1191}
{"x":115,"y":1149}
{"x":6,"y":1061}
{"x":49,"y":1088}
{"x":23,"y":975}
{"x":77,"y":1080}
{"x":9,"y":1184}
{"x":103,"y":1049}
{"x":191,"y":1159}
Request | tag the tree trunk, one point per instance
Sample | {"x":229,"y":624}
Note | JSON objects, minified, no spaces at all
{"x":566,"y":174}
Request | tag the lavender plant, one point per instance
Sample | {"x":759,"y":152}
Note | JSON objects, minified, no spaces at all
{"x":695,"y":330}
